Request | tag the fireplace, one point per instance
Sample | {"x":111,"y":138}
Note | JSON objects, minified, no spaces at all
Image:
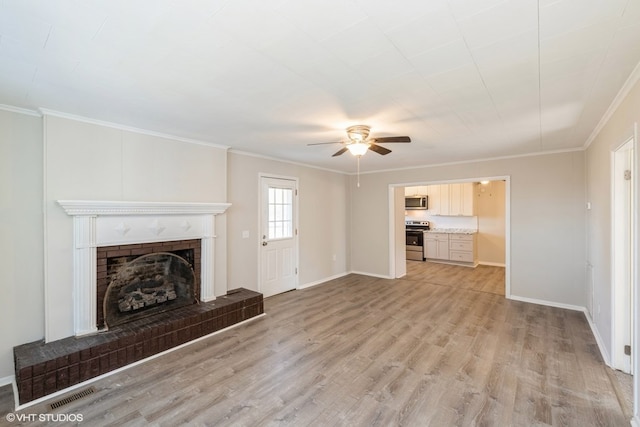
{"x":139,"y":280}
{"x":143,"y":283}
{"x":146,"y":285}
{"x":118,"y":226}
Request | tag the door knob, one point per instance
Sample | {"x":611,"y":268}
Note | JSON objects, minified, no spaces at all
{"x":264,"y":243}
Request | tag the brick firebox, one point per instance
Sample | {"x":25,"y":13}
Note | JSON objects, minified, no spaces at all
{"x":110,"y":258}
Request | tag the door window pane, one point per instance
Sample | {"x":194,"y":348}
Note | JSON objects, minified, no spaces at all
{"x":280,"y":213}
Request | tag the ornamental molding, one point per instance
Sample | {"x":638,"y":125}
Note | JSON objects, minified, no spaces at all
{"x":101,"y":207}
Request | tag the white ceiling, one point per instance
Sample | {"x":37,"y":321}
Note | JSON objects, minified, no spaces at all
{"x":466,"y":79}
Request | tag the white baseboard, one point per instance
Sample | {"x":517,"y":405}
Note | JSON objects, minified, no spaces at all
{"x":379,"y":276}
{"x":492,"y":264}
{"x":320,"y":282}
{"x":7,"y":380}
{"x":547,"y":303}
{"x":603,"y":350}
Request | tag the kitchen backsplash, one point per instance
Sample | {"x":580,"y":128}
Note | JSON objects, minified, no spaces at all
{"x":438,"y":221}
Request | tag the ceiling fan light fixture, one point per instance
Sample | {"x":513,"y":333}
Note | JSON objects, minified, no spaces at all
{"x":358,"y":133}
{"x":358,"y":148}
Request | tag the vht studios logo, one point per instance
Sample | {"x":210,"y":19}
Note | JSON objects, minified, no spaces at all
{"x":52,"y":418}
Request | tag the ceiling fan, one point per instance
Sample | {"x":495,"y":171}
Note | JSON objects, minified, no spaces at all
{"x":359,"y":142}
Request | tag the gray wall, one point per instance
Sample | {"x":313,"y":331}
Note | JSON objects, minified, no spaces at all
{"x":21,"y":230}
{"x":619,"y":128}
{"x":547,"y":221}
{"x":324,"y":211}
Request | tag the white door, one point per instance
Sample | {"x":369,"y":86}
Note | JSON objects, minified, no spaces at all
{"x":279,"y":236}
{"x":623,"y":256}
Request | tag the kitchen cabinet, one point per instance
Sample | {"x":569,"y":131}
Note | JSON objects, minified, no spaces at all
{"x":454,"y":247}
{"x":462,"y":247}
{"x":452,"y":199}
{"x":436,"y":246}
{"x":418,"y":190}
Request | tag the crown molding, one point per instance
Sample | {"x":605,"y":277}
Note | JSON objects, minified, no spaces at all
{"x":89,"y":120}
{"x":291,"y":162}
{"x":20,"y":110}
{"x":620,"y":97}
{"x":464,"y":162}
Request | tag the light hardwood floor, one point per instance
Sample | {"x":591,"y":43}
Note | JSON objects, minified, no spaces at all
{"x":362,"y":351}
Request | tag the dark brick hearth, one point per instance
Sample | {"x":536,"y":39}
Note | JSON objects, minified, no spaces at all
{"x":42,"y":369}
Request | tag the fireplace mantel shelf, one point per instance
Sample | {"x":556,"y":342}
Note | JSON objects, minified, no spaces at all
{"x":101,"y":207}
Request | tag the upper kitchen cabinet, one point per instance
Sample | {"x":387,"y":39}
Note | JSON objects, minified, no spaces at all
{"x":420,"y":190}
{"x":452,"y":199}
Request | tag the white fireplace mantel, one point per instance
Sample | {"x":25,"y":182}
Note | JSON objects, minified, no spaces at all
{"x":107,"y":223}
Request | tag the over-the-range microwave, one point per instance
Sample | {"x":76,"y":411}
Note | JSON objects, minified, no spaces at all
{"x":416,"y":202}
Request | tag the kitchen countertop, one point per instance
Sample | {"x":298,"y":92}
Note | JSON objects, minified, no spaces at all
{"x":452,"y":230}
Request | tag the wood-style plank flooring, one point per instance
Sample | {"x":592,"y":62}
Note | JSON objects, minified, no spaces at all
{"x":362,"y":351}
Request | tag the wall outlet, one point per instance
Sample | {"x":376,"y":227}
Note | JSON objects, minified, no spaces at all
{"x":333,"y":257}
{"x":245,"y":234}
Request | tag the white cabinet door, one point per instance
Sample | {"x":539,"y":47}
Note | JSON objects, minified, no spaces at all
{"x":467,"y":199}
{"x":459,"y":199}
{"x":455,"y":199}
{"x":431,"y":248}
{"x":433,"y":192}
{"x":444,"y":199}
{"x":443,"y":248}
{"x":436,"y":246}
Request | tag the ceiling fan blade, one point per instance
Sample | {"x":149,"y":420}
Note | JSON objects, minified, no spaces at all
{"x":378,"y":149}
{"x":388,"y":139}
{"x":324,"y":143}
{"x":340,"y":151}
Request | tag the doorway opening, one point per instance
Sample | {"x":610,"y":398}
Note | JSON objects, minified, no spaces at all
{"x":488,"y":215}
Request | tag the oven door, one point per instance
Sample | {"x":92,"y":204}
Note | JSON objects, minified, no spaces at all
{"x":414,"y":249}
{"x":415,"y":238}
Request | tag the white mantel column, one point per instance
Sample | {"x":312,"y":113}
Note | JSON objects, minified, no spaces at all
{"x":207,"y":259}
{"x":84,"y":275}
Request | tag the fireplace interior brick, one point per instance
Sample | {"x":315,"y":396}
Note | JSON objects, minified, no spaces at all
{"x":44,"y":368}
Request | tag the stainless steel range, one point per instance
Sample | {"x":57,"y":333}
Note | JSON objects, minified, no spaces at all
{"x":415,"y":239}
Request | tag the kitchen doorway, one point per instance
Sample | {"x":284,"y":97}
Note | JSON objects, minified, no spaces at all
{"x":492,"y":197}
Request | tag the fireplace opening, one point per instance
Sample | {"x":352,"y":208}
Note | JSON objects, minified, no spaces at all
{"x":140,"y":280}
{"x":147,"y":285}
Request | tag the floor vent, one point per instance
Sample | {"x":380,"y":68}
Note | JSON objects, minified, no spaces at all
{"x":72,"y":398}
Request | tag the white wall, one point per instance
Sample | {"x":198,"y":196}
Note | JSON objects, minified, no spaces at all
{"x":93,"y":162}
{"x":547,"y":220}
{"x":21,"y":248}
{"x":618,"y":129}
{"x":324,"y":211}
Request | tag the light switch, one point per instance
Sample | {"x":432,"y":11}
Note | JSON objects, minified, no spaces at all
{"x":245,"y":234}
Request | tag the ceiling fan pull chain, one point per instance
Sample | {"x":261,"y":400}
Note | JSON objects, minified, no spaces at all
{"x":358,"y":161}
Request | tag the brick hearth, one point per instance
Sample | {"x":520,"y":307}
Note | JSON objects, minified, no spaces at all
{"x":44,"y":368}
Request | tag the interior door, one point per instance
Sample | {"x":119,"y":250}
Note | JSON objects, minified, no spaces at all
{"x":279,"y":236}
{"x":622,"y":252}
